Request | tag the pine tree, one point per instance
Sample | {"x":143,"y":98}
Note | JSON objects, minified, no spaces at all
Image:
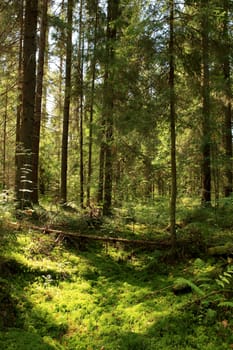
{"x":28,"y":104}
{"x":66,"y":112}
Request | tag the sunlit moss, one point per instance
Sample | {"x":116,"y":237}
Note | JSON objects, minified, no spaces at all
{"x":102,"y":299}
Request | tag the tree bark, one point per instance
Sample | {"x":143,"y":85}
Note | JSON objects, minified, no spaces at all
{"x":108,"y":103}
{"x":228,"y":103}
{"x":38,"y":101}
{"x":19,"y":103}
{"x":93,"y":73}
{"x":172,"y":128}
{"x":100,"y":194}
{"x":66,"y":111}
{"x":206,"y":132}
{"x":29,"y":85}
{"x":5,"y":117}
{"x":81,"y":101}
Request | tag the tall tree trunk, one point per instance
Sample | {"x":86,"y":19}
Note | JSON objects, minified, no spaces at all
{"x":81,"y":109}
{"x":29,"y":84}
{"x":100,"y":193}
{"x":93,"y":72}
{"x":206,"y":137}
{"x":19,"y":103}
{"x":228,"y":99}
{"x":5,"y":117}
{"x":66,"y":111}
{"x":60,"y":104}
{"x":38,"y":101}
{"x":172,"y":126}
{"x":108,"y":103}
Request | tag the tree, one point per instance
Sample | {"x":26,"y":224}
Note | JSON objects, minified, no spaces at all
{"x":205,"y":91}
{"x":24,"y":193}
{"x":92,"y":95}
{"x":228,"y":99}
{"x":172,"y":124}
{"x":66,"y":111}
{"x":80,"y":92}
{"x":108,"y":102}
{"x":19,"y":103}
{"x":38,"y":101}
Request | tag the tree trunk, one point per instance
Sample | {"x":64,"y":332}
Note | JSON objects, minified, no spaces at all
{"x":66,"y":111}
{"x":29,"y":84}
{"x":228,"y":99}
{"x":5,"y":117}
{"x":206,"y":136}
{"x":80,"y":83}
{"x":172,"y":127}
{"x":100,"y":194}
{"x":108,"y":103}
{"x":93,"y":72}
{"x":19,"y":104}
{"x":38,"y":101}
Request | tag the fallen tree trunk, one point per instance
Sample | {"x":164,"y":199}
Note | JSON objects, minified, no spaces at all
{"x":162,"y":244}
{"x":221,"y":250}
{"x":185,"y":244}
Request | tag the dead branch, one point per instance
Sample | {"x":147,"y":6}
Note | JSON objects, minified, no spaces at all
{"x":76,"y":235}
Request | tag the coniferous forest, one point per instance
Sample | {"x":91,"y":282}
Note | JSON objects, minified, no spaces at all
{"x":116,"y":176}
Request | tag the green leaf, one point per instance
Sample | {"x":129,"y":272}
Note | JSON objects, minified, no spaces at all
{"x":189,"y":283}
{"x":226,"y":304}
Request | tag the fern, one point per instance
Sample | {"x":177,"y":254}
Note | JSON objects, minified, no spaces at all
{"x":225,"y":278}
{"x":193,"y":286}
{"x":228,"y":304}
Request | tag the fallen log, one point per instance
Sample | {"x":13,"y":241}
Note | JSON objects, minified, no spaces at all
{"x":185,"y":245}
{"x":76,"y":235}
{"x":221,"y":250}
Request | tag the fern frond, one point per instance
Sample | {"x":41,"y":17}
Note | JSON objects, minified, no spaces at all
{"x":192,"y":285}
{"x":226,"y":304}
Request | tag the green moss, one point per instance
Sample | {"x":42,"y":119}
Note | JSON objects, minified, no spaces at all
{"x":104,"y":298}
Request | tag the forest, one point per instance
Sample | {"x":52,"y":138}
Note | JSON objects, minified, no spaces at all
{"x":116,"y":176}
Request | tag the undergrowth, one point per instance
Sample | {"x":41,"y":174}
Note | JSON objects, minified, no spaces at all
{"x":109,"y":299}
{"x":56,"y":296}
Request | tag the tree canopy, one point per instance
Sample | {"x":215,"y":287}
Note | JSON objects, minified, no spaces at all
{"x":124,"y":87}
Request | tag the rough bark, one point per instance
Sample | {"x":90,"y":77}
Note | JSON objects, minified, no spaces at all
{"x":19,"y":104}
{"x":81,"y":102}
{"x":228,"y":103}
{"x":172,"y":127}
{"x":206,"y":132}
{"x":101,"y":166}
{"x":4,"y":149}
{"x":108,"y":104}
{"x":38,"y":101}
{"x":93,"y":76}
{"x":28,"y":104}
{"x":66,"y":110}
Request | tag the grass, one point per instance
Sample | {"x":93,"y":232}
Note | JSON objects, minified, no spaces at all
{"x":53,"y":296}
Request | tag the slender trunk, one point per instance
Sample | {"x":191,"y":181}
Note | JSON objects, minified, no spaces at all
{"x":81,"y":140}
{"x":228,"y":103}
{"x":206,"y":137}
{"x":19,"y":104}
{"x":4,"y":140}
{"x":172,"y":127}
{"x":108,"y":167}
{"x":93,"y":69}
{"x":60,"y":110}
{"x":38,"y":101}
{"x":108,"y":104}
{"x":66,"y":111}
{"x":80,"y":68}
{"x":100,"y":194}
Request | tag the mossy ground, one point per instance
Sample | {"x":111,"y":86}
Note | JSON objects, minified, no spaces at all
{"x":106,"y":297}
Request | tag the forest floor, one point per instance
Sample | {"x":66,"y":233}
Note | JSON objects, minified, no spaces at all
{"x":55,"y":294}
